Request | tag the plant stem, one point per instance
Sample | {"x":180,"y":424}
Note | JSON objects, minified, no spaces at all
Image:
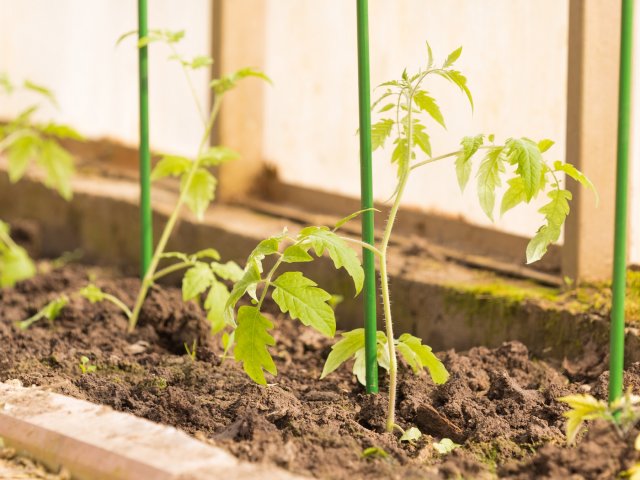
{"x":267,"y":281}
{"x":6,"y":238}
{"x":147,"y":281}
{"x":118,"y":303}
{"x":171,"y":268}
{"x":384,"y":278}
{"x":363,"y":245}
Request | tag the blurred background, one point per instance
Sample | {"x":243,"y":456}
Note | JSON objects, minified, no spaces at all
{"x":536,"y":68}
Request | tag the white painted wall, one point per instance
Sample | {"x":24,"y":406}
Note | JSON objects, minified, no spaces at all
{"x":515,"y":56}
{"x":69,"y":46}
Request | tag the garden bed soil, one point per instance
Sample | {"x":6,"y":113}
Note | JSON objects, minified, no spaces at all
{"x":499,"y":404}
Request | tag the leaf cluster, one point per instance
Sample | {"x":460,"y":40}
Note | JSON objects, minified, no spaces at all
{"x":27,"y":142}
{"x":295,"y":294}
{"x":15,"y":263}
{"x":417,"y":356}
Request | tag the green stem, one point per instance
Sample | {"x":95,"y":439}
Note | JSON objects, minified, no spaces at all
{"x":118,"y":303}
{"x":384,"y":283}
{"x":369,"y":247}
{"x":192,"y":89}
{"x":446,"y":155}
{"x":6,"y":238}
{"x":147,"y":281}
{"x":170,"y":269}
{"x":267,"y":281}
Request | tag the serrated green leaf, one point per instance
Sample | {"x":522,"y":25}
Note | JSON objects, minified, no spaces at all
{"x":196,"y":280}
{"x":15,"y":265}
{"x":200,"y":61}
{"x":400,"y":155}
{"x":50,"y":311}
{"x":419,"y":356}
{"x":252,"y":341}
{"x":208,"y":253}
{"x":200,"y":192}
{"x":322,"y":240}
{"x":411,"y":435}
{"x":387,"y":107}
{"x":514,"y":195}
{"x":544,"y":145}
{"x":228,"y":271}
{"x":224,"y":84}
{"x":44,"y":91}
{"x":171,"y":166}
{"x":428,"y":104}
{"x":214,"y":304}
{"x":453,"y":56}
{"x":429,"y":56}
{"x":92,"y":293}
{"x":577,"y":175}
{"x":250,"y":278}
{"x":268,"y":246}
{"x":343,"y":350}
{"x":526,"y":155}
{"x":421,"y":138}
{"x":350,"y":217}
{"x":470,"y":146}
{"x":217,"y":156}
{"x":380,"y":131}
{"x":444,"y":446}
{"x":296,"y":254}
{"x":61,"y":131}
{"x":20,"y":153}
{"x":489,"y":179}
{"x":58,"y":167}
{"x":555,"y":213}
{"x":458,"y":79}
{"x":301,"y":298}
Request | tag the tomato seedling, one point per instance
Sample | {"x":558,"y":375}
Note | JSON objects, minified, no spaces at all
{"x":26,"y":143}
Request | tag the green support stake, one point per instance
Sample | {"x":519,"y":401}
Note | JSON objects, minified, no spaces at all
{"x":366,"y":196}
{"x":146,"y":226}
{"x":616,"y":365}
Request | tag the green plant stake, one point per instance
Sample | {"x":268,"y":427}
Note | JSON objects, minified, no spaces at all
{"x":366,"y":199}
{"x":616,"y":364}
{"x":146,"y":226}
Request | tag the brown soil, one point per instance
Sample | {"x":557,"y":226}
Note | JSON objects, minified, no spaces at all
{"x":499,"y":403}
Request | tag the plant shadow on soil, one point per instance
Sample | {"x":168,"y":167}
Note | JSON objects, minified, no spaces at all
{"x":499,"y":403}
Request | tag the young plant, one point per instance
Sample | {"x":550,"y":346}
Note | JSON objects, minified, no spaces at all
{"x":193,"y":351}
{"x":197,"y":188}
{"x":405,"y":105}
{"x":25,"y":143}
{"x":86,"y":366}
{"x":295,"y":294}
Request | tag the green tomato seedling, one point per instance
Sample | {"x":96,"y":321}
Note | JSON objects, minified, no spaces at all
{"x":405,"y":105}
{"x":197,"y":189}
{"x":85,"y":366}
{"x":26,"y":143}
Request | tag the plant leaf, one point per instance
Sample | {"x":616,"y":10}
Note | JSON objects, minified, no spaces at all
{"x":411,"y":435}
{"x":296,"y":254}
{"x":419,"y":356}
{"x":379,"y":133}
{"x":544,"y":145}
{"x":250,"y":277}
{"x":577,"y":175}
{"x":228,"y":271}
{"x":458,"y":79}
{"x":15,"y":265}
{"x":350,"y":217}
{"x":514,"y":195}
{"x":444,"y":446}
{"x":343,"y":350}
{"x":208,"y":253}
{"x":171,"y":166}
{"x":214,"y":304}
{"x":302,"y":299}
{"x":44,"y":91}
{"x":555,"y":213}
{"x":489,"y":179}
{"x":321,"y":239}
{"x":470,"y":146}
{"x":20,"y":153}
{"x":196,"y":280}
{"x":252,"y":341}
{"x":227,"y":82}
{"x":58,"y":167}
{"x":453,"y":56}
{"x":218,"y":155}
{"x":92,"y":293}
{"x":61,"y":131}
{"x":200,"y":192}
{"x":428,"y":104}
{"x":526,"y":155}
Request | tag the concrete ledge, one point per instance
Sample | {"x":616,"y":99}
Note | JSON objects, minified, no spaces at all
{"x":96,"y":443}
